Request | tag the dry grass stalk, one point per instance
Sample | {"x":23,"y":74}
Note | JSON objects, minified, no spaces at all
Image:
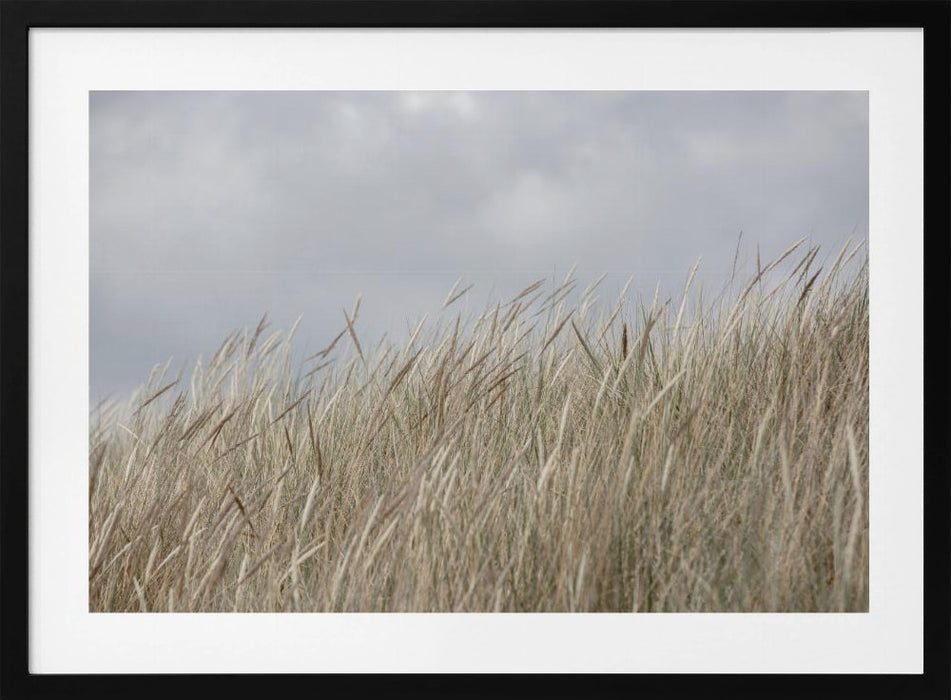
{"x":712,"y":459}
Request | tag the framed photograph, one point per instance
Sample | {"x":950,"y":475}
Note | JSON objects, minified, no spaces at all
{"x":496,"y":347}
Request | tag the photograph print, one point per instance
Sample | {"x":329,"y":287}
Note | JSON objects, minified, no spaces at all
{"x":515,"y":351}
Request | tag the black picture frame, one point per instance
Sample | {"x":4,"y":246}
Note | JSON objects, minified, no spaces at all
{"x":17,"y":17}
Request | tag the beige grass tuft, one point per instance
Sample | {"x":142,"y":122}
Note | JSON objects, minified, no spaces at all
{"x":715,"y":460}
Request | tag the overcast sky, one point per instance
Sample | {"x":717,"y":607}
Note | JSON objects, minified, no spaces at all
{"x":209,"y":209}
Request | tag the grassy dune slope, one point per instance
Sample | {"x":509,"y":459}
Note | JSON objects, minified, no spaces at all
{"x":682,"y":456}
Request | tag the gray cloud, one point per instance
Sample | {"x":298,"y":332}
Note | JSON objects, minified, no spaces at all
{"x":208,"y":209}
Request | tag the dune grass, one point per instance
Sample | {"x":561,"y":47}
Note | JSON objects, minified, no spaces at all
{"x":552,"y":454}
